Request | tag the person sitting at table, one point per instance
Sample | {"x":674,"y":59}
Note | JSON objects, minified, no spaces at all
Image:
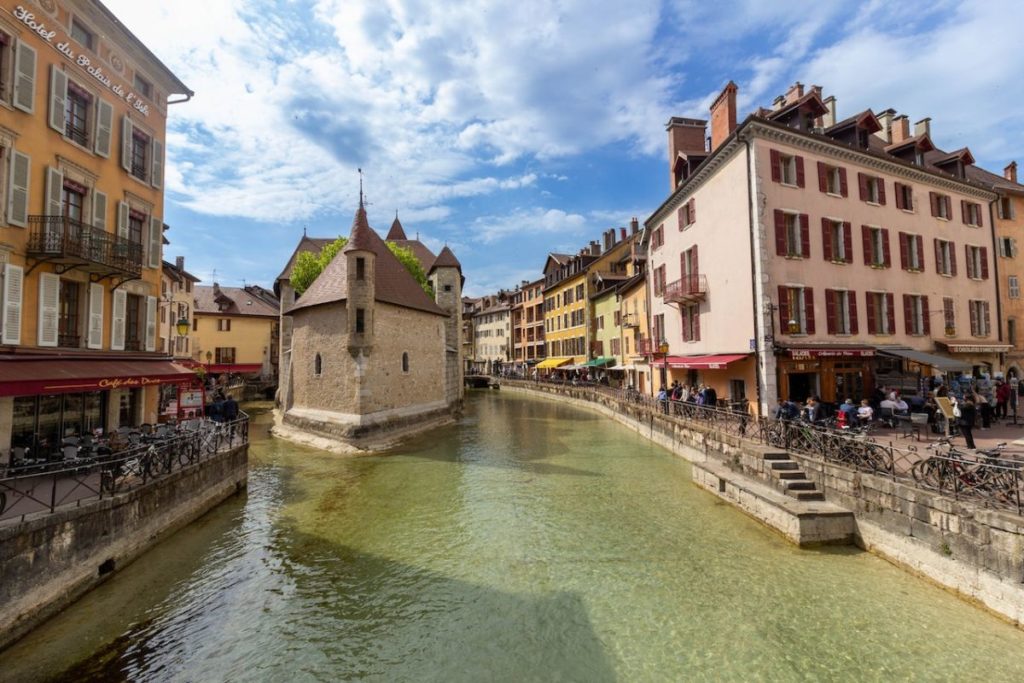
{"x":900,"y":406}
{"x":865,"y":413}
{"x":812,"y":411}
{"x":848,"y":412}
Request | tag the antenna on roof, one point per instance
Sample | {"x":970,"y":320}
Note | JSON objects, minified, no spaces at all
{"x":360,"y":187}
{"x":303,"y":230}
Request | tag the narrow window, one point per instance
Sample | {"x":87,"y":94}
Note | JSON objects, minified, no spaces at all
{"x":81,"y":34}
{"x":360,"y":268}
{"x":143,"y":87}
{"x":1014,"y":287}
{"x":318,"y":365}
{"x":360,"y":321}
{"x":76,"y":114}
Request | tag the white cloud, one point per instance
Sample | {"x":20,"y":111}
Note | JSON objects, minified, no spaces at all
{"x":527,"y":222}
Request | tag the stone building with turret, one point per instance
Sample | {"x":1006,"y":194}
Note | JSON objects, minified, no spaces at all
{"x":369,"y":357}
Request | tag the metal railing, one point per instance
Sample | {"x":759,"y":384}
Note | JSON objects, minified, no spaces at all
{"x":996,"y":482}
{"x":687,"y":288}
{"x":64,"y":237}
{"x":45,"y":487}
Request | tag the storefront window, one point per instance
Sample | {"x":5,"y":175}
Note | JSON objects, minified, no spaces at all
{"x":23,"y":429}
{"x":41,"y":422}
{"x":48,"y":434}
{"x":129,"y":409}
{"x":72,"y":424}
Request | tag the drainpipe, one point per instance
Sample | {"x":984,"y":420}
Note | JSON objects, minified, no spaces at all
{"x":758,"y":322}
{"x":995,"y":273}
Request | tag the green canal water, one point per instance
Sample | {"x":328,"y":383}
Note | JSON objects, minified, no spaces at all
{"x":530,"y":542}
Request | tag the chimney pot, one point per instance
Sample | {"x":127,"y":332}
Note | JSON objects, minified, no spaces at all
{"x":923,"y":127}
{"x":1010,"y":172}
{"x":900,"y":128}
{"x":179,"y":263}
{"x":795,"y":92}
{"x":622,"y":234}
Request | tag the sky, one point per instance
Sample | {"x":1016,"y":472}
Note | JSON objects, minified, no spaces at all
{"x":510,"y":129}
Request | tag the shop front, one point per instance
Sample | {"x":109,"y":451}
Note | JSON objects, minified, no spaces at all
{"x":983,"y":359}
{"x":731,"y":375}
{"x":831,"y":373}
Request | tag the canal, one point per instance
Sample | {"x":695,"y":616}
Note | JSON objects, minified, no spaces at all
{"x":530,"y":542}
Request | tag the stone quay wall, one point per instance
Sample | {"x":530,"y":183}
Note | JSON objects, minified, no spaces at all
{"x":51,"y":559}
{"x":972,"y":550}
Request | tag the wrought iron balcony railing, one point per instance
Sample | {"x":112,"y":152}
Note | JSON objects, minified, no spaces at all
{"x":647,"y":347}
{"x":64,"y":239}
{"x":685,"y":289}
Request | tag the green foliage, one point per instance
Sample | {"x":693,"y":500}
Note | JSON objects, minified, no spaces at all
{"x":308,"y":266}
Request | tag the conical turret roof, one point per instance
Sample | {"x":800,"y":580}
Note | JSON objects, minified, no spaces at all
{"x":397,"y":232}
{"x":361,"y":237}
{"x":446,"y":259}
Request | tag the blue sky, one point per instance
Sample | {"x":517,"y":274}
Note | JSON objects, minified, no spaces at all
{"x":511,"y":129}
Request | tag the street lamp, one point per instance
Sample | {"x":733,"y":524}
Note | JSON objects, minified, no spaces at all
{"x":182,"y":327}
{"x":663,"y":350}
{"x":793,"y":325}
{"x":209,"y":359}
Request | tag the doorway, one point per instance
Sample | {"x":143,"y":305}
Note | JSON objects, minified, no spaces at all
{"x":802,"y":385}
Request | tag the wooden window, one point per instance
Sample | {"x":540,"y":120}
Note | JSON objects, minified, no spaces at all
{"x":872,"y":189}
{"x":687,"y":214}
{"x":68,"y":318}
{"x":223,"y":324}
{"x":904,"y":197}
{"x":876,"y":247}
{"x":792,"y":234}
{"x":143,"y":87}
{"x":881,"y":313}
{"x":915,"y":315}
{"x":949,"y":316}
{"x":83,"y":35}
{"x":691,"y":323}
{"x":1005,"y":209}
{"x":1007,"y":247}
{"x":133,"y":323}
{"x":77,"y":104}
{"x":970,"y":212}
{"x":942,"y":205}
{"x":832,"y":180}
{"x":787,"y":169}
{"x":977,"y":262}
{"x":945,"y":258}
{"x":1013,"y":286}
{"x":841,"y":311}
{"x":981,"y":324}
{"x":140,"y":155}
{"x":837,"y":240}
{"x":796,"y":310}
{"x":658,"y":237}
{"x":911,"y":252}
{"x":224,"y":355}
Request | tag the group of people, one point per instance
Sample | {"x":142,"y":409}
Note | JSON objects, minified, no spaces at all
{"x":702,"y":395}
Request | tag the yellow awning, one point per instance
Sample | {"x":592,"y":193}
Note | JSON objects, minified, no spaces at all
{"x":549,"y":363}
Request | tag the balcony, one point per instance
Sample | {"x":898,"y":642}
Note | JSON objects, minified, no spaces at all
{"x":630,"y":320}
{"x":686,"y":289}
{"x":72,"y":243}
{"x":647,"y":347}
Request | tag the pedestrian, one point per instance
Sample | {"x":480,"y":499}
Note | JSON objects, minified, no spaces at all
{"x":230,"y":409}
{"x":710,"y":396}
{"x":1002,"y":398}
{"x":966,"y":421}
{"x":983,"y":406}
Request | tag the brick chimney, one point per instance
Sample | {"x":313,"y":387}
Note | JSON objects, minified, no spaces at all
{"x":179,"y":263}
{"x":723,"y":115}
{"x":778,"y":102}
{"x":595,"y":248}
{"x":634,"y":226}
{"x":622,"y":234}
{"x":829,"y":119}
{"x":795,"y":92}
{"x":1010,"y":172}
{"x":900,"y":129}
{"x":684,"y":135}
{"x":885,"y":119}
{"x":923,"y":127}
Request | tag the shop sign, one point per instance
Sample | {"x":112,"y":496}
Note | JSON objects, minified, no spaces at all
{"x":191,"y":399}
{"x":806,"y":354}
{"x":976,"y":348}
{"x":64,"y":47}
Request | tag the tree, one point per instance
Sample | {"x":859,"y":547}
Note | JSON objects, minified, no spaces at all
{"x":308,"y":265}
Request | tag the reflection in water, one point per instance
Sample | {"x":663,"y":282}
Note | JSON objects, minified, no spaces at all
{"x":529,"y":542}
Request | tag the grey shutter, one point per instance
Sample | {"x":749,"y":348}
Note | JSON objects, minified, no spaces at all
{"x":119,"y":303}
{"x":158,"y":164}
{"x":151,"y":323}
{"x":1013,"y":247}
{"x":24,"y":78}
{"x":104,"y":127}
{"x":122,"y":219}
{"x":17,"y":202}
{"x":95,"y":316}
{"x":54,"y":192}
{"x":99,"y":210}
{"x":14,"y":280}
{"x":155,"y":239}
{"x":58,"y":97}
{"x":126,"y":143}
{"x":49,"y":308}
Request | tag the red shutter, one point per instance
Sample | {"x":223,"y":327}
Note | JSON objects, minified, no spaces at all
{"x":927,"y":325}
{"x":904,"y":251}
{"x":681,"y":218}
{"x":984,"y":263}
{"x":696,"y":323}
{"x":933,"y":198}
{"x":920,"y":250}
{"x":805,"y":235}
{"x":949,"y":206}
{"x":970,"y":261}
{"x":938,"y":255}
{"x":988,"y":320}
{"x":952,"y":259}
{"x":881,"y":191}
{"x":908,"y":314}
{"x":872,"y":316}
{"x":799,"y":171}
{"x":947,"y":313}
{"x":693,"y":209}
{"x":891,"y":306}
{"x":682,"y":266}
{"x":963,"y":211}
{"x":822,"y":176}
{"x":862,"y":181}
{"x":826,"y":238}
{"x":974,"y":318}
{"x":694,"y":265}
{"x":865,"y":233}
{"x":686,"y":324}
{"x":848,"y":241}
{"x":830,"y":310}
{"x":776,"y":167}
{"x":780,"y":232}
{"x":784,"y":309}
{"x":809,"y":309}
{"x":899,"y":195}
{"x":852,"y":299}
{"x":843,"y":189}
{"x":886,"y":256}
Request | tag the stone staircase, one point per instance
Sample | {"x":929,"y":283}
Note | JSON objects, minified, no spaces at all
{"x":787,"y":477}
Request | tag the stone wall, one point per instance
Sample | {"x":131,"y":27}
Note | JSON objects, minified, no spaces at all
{"x":977,"y":552}
{"x":48,"y":561}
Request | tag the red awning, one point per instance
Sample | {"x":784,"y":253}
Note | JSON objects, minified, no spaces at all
{"x":33,"y":376}
{"x":238,"y":368}
{"x":719,"y":362}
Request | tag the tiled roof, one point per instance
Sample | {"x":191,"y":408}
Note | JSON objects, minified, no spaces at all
{"x":446,"y":259}
{"x":310,"y":244}
{"x":396,"y":232}
{"x":418,"y":249}
{"x":237,"y":300}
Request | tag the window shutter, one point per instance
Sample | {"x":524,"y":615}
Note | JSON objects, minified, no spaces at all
{"x":999,"y":209}
{"x":95,"y":340}
{"x":1013,"y":247}
{"x":822,"y":176}
{"x":695,"y":312}
{"x":988,"y":320}
{"x":963,"y":212}
{"x":948,"y":202}
{"x":694,"y":264}
{"x":851,"y":298}
{"x":126,"y":143}
{"x":799,"y":171}
{"x":117,"y":314}
{"x":848,"y":241}
{"x":693,"y":209}
{"x":104,"y":127}
{"x":1013,"y":209}
{"x":952,"y":259}
{"x":686,"y":324}
{"x":1001,"y":247}
{"x":151,"y":323}
{"x":49,"y":308}
{"x":14,"y":280}
{"x":784,"y":309}
{"x":881,"y":191}
{"x":920,"y":250}
{"x":58,"y":97}
{"x":974,"y":318}
{"x":99,"y":210}
{"x":891,"y":312}
{"x":886,"y":255}
{"x":908,"y":314}
{"x":948,"y":313}
{"x":155,"y":241}
{"x":843,"y":189}
{"x":984,"y":263}
{"x":122,"y":219}
{"x":826,"y":238}
{"x":54,"y":192}
{"x":780,"y":232}
{"x":157,"y":177}
{"x":681,"y":218}
{"x":904,"y":251}
{"x":970,"y":261}
{"x":862,"y":182}
{"x":809,"y":309}
{"x":776,"y":168}
{"x":17,"y":203}
{"x":872,"y":314}
{"x":865,"y":234}
{"x":926,"y":324}
{"x":933,"y":199}
{"x":938,"y":255}
{"x":805,"y":236}
{"x":899,"y":195}
{"x":24,"y":78}
{"x":830,"y":310}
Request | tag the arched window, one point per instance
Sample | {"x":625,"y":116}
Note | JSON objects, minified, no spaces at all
{"x":318,"y":366}
{"x":405,"y":362}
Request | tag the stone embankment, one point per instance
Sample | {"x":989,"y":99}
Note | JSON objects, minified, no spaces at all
{"x":975,"y":551}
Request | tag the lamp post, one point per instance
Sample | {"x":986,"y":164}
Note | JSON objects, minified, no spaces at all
{"x":663,"y":350}
{"x":209,"y":359}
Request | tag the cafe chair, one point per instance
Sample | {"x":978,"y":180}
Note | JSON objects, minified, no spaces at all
{"x":70,"y":451}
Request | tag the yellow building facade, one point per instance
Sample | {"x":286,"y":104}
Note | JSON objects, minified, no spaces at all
{"x":236,"y":330}
{"x":565,"y":310}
